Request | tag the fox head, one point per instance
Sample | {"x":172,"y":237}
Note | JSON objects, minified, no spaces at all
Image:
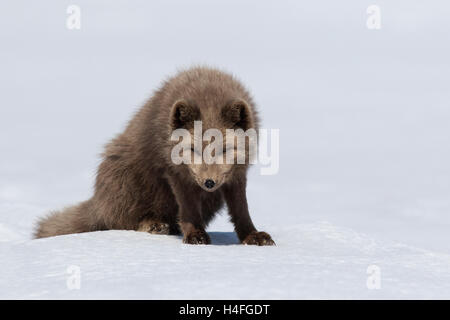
{"x":210,"y":155}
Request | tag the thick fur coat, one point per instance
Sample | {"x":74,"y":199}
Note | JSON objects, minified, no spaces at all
{"x":138,"y":187}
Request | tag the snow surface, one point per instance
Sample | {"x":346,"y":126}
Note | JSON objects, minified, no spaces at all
{"x":364,"y":157}
{"x":315,"y":260}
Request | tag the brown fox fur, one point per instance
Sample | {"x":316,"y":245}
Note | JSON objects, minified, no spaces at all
{"x":138,"y":187}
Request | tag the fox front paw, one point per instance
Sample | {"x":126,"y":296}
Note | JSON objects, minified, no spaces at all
{"x":197,"y":237}
{"x":259,"y":238}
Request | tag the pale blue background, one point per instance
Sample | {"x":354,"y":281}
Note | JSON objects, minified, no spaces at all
{"x":363,"y":114}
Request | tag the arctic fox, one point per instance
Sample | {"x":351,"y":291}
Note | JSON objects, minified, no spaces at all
{"x":138,"y":185}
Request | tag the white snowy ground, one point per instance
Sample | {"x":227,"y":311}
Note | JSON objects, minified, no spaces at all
{"x":311,"y":260}
{"x":364,"y":157}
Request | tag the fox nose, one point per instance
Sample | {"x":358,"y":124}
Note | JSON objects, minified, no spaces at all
{"x":209,"y":183}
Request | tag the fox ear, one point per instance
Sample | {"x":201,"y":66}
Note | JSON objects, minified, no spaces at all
{"x":183,"y":115}
{"x":238,"y":115}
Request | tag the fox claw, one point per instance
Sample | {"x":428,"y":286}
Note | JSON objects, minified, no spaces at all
{"x":259,"y":238}
{"x":197,"y":237}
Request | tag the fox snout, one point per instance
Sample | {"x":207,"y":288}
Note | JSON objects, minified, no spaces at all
{"x":210,"y":177}
{"x":209,"y":183}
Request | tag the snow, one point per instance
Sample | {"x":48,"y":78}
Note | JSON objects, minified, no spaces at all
{"x":364,"y":179}
{"x":315,"y":260}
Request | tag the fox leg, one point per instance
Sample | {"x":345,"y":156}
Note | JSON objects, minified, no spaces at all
{"x":236,"y":199}
{"x":189,"y":214}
